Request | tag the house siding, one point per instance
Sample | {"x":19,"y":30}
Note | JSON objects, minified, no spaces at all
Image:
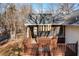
{"x":72,"y":34}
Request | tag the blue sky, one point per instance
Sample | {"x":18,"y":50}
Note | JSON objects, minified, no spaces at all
{"x":45,"y":6}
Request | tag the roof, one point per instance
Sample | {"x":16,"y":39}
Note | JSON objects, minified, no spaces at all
{"x":71,"y":19}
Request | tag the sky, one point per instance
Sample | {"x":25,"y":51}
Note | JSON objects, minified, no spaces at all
{"x":36,"y":6}
{"x":44,"y":6}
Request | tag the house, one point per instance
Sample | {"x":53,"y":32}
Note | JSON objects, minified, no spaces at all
{"x":67,"y":32}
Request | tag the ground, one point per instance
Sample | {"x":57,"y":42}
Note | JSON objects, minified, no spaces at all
{"x":12,"y":47}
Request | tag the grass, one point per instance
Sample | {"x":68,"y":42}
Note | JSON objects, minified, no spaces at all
{"x":12,"y":48}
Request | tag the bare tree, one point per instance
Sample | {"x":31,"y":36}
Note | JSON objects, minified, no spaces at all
{"x":15,"y":19}
{"x":56,"y":15}
{"x":23,"y":13}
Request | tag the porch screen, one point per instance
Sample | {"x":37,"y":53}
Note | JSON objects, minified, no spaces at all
{"x":48,"y":30}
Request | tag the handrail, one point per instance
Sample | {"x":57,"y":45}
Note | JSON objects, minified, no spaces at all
{"x":71,"y":46}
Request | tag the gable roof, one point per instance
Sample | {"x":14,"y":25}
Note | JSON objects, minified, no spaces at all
{"x":71,"y":19}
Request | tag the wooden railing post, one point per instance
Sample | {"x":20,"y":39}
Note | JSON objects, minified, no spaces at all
{"x":77,"y":48}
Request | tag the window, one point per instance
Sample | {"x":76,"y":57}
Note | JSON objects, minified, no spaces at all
{"x":35,"y":31}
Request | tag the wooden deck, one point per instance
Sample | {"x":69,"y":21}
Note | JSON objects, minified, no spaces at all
{"x":49,"y":47}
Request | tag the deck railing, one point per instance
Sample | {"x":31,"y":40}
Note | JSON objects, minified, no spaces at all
{"x":42,"y":46}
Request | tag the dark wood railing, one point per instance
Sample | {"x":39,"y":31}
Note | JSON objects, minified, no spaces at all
{"x":72,"y":48}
